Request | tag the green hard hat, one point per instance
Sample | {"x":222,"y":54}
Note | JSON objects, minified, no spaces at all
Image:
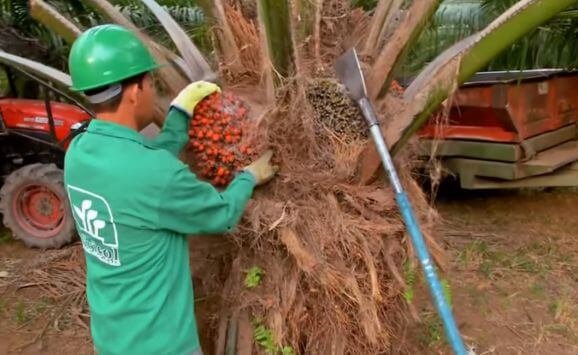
{"x":107,"y":54}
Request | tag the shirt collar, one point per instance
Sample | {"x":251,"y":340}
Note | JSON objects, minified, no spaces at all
{"x":113,"y":129}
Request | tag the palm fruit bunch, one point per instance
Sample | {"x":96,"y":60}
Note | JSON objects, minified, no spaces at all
{"x":217,"y":138}
{"x":334,"y":110}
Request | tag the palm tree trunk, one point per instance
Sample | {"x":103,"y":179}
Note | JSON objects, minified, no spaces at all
{"x":274,"y":15}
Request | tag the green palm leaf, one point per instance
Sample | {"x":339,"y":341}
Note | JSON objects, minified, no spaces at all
{"x":545,"y":46}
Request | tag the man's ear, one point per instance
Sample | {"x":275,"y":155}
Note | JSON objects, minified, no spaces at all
{"x":132,"y":91}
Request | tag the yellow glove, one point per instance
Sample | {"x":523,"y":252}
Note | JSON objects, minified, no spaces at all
{"x":262,"y":169}
{"x":191,"y":95}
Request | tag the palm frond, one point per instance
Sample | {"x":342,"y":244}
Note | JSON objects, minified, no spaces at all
{"x":197,"y":66}
{"x":43,"y":71}
{"x":50,"y":17}
{"x":378,"y":20}
{"x":191,"y":18}
{"x":171,"y":79}
{"x":545,"y":46}
{"x":384,"y":66}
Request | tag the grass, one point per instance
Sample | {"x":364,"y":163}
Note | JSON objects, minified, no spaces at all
{"x":538,"y":289}
{"x":480,"y":299}
{"x":431,"y":334}
{"x":564,"y":311}
{"x":24,"y":311}
{"x":493,"y":263}
{"x":559,"y":329}
{"x":265,"y":338}
{"x":410,"y":276}
{"x":21,"y":313}
{"x":5,"y":236}
{"x":41,"y":306}
{"x":473,"y":254}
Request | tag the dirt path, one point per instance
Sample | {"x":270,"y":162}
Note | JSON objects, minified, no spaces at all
{"x":513,"y":282}
{"x":514,"y":272}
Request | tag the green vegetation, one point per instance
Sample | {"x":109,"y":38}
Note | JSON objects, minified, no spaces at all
{"x":21,"y":313}
{"x":545,"y":47}
{"x":253,"y":278}
{"x":493,"y":263}
{"x":264,"y":337}
{"x":15,"y":14}
{"x":410,"y":275}
{"x":5,"y":235}
{"x":431,"y":334}
{"x":447,"y":291}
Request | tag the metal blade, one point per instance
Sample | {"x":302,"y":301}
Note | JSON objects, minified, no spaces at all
{"x":350,"y":74}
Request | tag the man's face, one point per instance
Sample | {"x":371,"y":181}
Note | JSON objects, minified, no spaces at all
{"x":145,"y":108}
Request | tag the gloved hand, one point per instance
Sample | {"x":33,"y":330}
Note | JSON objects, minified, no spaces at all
{"x":191,"y":95}
{"x":262,"y":169}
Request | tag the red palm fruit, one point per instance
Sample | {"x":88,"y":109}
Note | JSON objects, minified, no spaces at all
{"x":216,"y":132}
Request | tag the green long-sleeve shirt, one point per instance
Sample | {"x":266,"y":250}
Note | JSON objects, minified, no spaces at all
{"x":134,"y":203}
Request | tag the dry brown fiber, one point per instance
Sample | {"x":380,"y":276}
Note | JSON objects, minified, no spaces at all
{"x":323,"y":242}
{"x":331,"y":249}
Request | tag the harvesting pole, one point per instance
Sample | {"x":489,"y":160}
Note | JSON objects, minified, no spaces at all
{"x":350,"y":74}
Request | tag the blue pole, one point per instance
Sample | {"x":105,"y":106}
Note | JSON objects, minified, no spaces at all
{"x":412,"y":226}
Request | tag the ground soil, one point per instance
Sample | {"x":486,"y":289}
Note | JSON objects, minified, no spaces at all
{"x":514,"y":272}
{"x":513,"y":276}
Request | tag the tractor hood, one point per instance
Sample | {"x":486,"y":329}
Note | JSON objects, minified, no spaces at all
{"x":24,"y":114}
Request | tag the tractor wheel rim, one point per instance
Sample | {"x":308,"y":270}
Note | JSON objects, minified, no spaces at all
{"x":39,"y":211}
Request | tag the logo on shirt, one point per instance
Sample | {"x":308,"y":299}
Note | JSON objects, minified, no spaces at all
{"x":95,"y":225}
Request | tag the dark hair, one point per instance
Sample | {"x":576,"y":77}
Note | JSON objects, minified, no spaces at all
{"x":113,"y":104}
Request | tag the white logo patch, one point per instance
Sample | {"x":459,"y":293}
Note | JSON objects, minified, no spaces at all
{"x":95,"y":224}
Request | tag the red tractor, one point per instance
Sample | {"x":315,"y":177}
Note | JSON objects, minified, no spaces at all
{"x":34,"y":134}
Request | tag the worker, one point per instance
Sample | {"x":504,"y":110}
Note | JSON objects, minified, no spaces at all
{"x":134,"y":202}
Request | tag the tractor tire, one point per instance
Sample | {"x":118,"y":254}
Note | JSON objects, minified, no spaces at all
{"x":35,"y":207}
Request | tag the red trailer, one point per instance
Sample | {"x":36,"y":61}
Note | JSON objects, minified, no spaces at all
{"x":509,"y":129}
